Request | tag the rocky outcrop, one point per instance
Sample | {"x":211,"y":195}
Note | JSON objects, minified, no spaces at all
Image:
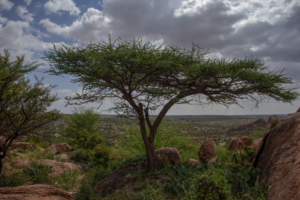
{"x":59,"y":148}
{"x":256,"y":143}
{"x":240,"y":143}
{"x":207,"y":152}
{"x":247,"y":141}
{"x":236,"y":144}
{"x":279,"y":156}
{"x":22,"y":145}
{"x":271,"y":119}
{"x":192,"y":161}
{"x":167,"y":154}
{"x":34,"y":192}
{"x":58,"y":167}
{"x":116,"y":180}
{"x":298,"y":110}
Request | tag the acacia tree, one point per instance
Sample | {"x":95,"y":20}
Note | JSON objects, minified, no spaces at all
{"x":23,"y":107}
{"x":140,"y":77}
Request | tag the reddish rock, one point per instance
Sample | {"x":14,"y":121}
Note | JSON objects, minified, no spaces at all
{"x":298,"y":110}
{"x":34,"y":192}
{"x":256,"y":143}
{"x":59,"y":148}
{"x":207,"y":152}
{"x":167,"y":154}
{"x":192,"y":161}
{"x":22,"y":145}
{"x":236,"y":144}
{"x":58,"y":167}
{"x":279,"y":156}
{"x":271,"y":119}
{"x":247,"y":141}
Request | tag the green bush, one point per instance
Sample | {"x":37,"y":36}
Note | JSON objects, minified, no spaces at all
{"x":38,"y":173}
{"x":11,"y":179}
{"x":82,"y":125}
{"x":274,"y":123}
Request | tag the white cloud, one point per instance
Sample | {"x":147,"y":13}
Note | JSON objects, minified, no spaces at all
{"x":3,"y":20}
{"x":88,"y":28}
{"x":27,"y":2}
{"x":53,"y":6}
{"x":6,"y":5}
{"x":24,"y":14}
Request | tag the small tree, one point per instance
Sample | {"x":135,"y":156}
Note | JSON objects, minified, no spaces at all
{"x":23,"y":107}
{"x":83,"y":127}
{"x":142,"y":77}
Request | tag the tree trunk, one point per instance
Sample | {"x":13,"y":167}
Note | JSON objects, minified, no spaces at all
{"x":150,"y":152}
{"x":2,"y":157}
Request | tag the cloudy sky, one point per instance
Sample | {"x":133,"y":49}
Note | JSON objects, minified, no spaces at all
{"x":265,"y":29}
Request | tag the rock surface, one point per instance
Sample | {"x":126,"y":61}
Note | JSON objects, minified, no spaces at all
{"x":271,"y":119}
{"x":63,"y":157}
{"x":34,"y":192}
{"x":192,"y":161}
{"x":167,"y":154}
{"x":236,"y":144}
{"x":247,"y":141}
{"x":298,"y":110}
{"x":59,"y":148}
{"x":256,"y":143}
{"x":207,"y":151}
{"x":279,"y":156}
{"x":58,"y":167}
{"x":116,"y":180}
{"x":23,"y":145}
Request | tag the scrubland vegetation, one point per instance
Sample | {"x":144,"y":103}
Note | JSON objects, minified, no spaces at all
{"x":229,"y":178}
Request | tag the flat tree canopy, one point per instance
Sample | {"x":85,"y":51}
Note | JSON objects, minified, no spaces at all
{"x":141,"y":77}
{"x":23,"y":107}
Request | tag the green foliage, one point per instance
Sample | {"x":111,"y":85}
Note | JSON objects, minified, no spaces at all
{"x":198,"y":182}
{"x":38,"y":154}
{"x":9,"y":179}
{"x":274,"y":123}
{"x":101,"y":155}
{"x":23,"y":107}
{"x":223,"y":153}
{"x":170,"y":136}
{"x":38,"y":173}
{"x":68,"y":180}
{"x":257,"y":134}
{"x":83,"y":127}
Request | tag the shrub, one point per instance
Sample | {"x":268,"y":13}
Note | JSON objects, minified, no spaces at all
{"x":274,"y":123}
{"x":9,"y":179}
{"x":82,"y":124}
{"x":38,"y":173}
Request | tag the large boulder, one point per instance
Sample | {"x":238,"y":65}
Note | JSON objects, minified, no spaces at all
{"x":58,"y":167}
{"x":59,"y":148}
{"x":34,"y":192}
{"x":279,"y":156}
{"x":116,"y":180}
{"x":167,"y":154}
{"x":236,"y":144}
{"x":256,"y":143}
{"x":247,"y":141}
{"x":207,"y":151}
{"x":271,"y":119}
{"x":22,"y":145}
